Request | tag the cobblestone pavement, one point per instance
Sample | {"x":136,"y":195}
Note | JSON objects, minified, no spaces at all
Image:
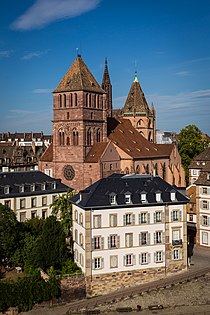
{"x":191,"y":297}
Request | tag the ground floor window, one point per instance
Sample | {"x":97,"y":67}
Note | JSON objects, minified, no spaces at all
{"x":205,"y":238}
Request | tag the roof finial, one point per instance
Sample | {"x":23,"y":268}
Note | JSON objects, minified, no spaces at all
{"x":106,"y":61}
{"x":77,"y":51}
{"x":135,"y":76}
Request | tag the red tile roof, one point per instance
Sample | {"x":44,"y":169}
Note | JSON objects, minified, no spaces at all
{"x":47,"y":156}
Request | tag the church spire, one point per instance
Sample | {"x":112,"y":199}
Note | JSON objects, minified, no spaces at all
{"x":107,"y":87}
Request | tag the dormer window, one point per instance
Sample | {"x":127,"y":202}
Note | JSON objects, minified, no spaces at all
{"x":32,"y":187}
{"x":208,"y":176}
{"x":143,"y":197}
{"x":112,"y":199}
{"x":43,"y":186}
{"x":173,"y":196}
{"x":6,"y":189}
{"x":54,"y":185}
{"x":127,"y":198}
{"x":158,"y":197}
{"x":21,"y":188}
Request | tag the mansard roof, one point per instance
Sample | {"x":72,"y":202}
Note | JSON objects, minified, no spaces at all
{"x":136,"y":102}
{"x":127,"y":138}
{"x":13,"y":181}
{"x":78,"y":78}
{"x":98,"y":195}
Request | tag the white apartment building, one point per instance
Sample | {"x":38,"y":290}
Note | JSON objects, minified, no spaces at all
{"x":29,"y":194}
{"x":129,"y":229}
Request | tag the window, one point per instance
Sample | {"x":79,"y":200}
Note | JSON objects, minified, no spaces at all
{"x":33,"y":202}
{"x":127,"y":198}
{"x":129,"y":260}
{"x":191,"y":217}
{"x":81,"y":259}
{"x":204,"y":190}
{"x":81,"y":239}
{"x":6,"y":189}
{"x":128,"y":239}
{"x":158,"y":197}
{"x":98,"y":263}
{"x":175,"y":235}
{"x":75,"y":137}
{"x":205,"y":205}
{"x":112,"y":220}
{"x":7,"y":203}
{"x":98,"y":135}
{"x":175,"y":215}
{"x":97,"y":221}
{"x":158,"y":237}
{"x":21,"y":188}
{"x":81,"y":219}
{"x":44,"y":200}
{"x":173,"y":196}
{"x":32,"y":187}
{"x":204,"y":220}
{"x":22,"y":216}
{"x":43,"y":186}
{"x":113,"y":241}
{"x":158,"y":256}
{"x":76,"y":254}
{"x":143,"y":198}
{"x":76,"y":215}
{"x":205,"y":238}
{"x":158,"y":216}
{"x":22,"y":203}
{"x":128,"y":219}
{"x":33,"y":214}
{"x":98,"y":242}
{"x":194,"y":172}
{"x":177,"y":254}
{"x":144,"y":217}
{"x":112,"y":199}
{"x":76,"y":236}
{"x":114,"y":261}
{"x":44,"y":213}
{"x":144,"y":238}
{"x":144,"y":258}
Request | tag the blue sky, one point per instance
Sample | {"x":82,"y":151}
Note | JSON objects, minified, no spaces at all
{"x":167,"y":41}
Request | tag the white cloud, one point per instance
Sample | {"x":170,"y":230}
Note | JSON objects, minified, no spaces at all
{"x":42,"y":91}
{"x":44,"y":12}
{"x":6,"y":53}
{"x":33,"y":54}
{"x":183,"y":74}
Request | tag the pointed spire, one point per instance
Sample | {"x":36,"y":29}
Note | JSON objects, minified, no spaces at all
{"x":107,"y":86}
{"x":135,"y":77}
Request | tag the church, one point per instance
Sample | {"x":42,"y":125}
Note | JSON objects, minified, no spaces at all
{"x":91,"y":140}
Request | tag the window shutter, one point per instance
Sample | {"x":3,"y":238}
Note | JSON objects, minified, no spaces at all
{"x":134,"y":259}
{"x":163,"y":256}
{"x":124,"y":260}
{"x":140,"y":239}
{"x":163,"y":217}
{"x":180,"y":215}
{"x":133,"y":219}
{"x":208,"y":191}
{"x":124,"y":220}
{"x":201,"y":205}
{"x":102,"y":242}
{"x":154,"y":217}
{"x":148,"y":217}
{"x":207,"y":205}
{"x":118,"y":241}
{"x":139,"y":259}
{"x":154,"y":238}
{"x":148,"y":258}
{"x":148,"y":238}
{"x":201,"y":190}
{"x":155,"y":257}
{"x":171,"y":216}
{"x":139,"y":218}
{"x":102,"y":262}
{"x":180,"y":254}
{"x":208,"y":221}
{"x":93,"y":264}
{"x":200,"y":219}
{"x":93,"y":244}
{"x":109,"y":243}
{"x":163,"y":237}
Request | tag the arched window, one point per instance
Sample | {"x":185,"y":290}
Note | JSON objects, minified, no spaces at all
{"x":156,"y":169}
{"x":100,"y":101}
{"x":75,"y":99}
{"x":94,"y":101}
{"x":98,"y":135}
{"x":75,"y":137}
{"x":60,"y":100}
{"x":64,"y":100}
{"x":137,"y":169}
{"x":61,"y":137}
{"x":70,"y":100}
{"x":150,"y":137}
{"x":126,"y":170}
{"x":140,"y":123}
{"x":97,"y":101}
{"x":146,"y":168}
{"x":86,"y":99}
{"x":67,"y":141}
{"x":90,"y":104}
{"x":89,"y":137}
{"x":67,"y":115}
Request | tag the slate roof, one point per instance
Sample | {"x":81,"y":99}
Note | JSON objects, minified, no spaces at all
{"x":78,"y":78}
{"x":15,"y":179}
{"x":204,"y":177}
{"x":203,"y":156}
{"x":136,"y":101}
{"x":126,"y":137}
{"x":98,"y":194}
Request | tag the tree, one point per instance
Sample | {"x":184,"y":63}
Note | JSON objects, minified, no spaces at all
{"x":62,"y":208}
{"x":190,"y":144}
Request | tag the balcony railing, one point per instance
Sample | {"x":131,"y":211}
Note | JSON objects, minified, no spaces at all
{"x":177,"y":242}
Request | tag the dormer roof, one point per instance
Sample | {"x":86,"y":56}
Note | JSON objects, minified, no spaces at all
{"x":79,"y":78}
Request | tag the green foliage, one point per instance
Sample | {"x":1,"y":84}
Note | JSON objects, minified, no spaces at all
{"x":62,"y":208}
{"x":70,"y":267}
{"x":190,"y":144}
{"x":27,"y":291}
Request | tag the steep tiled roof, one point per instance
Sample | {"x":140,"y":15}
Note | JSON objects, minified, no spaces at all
{"x":47,"y":156}
{"x":96,"y":152}
{"x":203,"y":156}
{"x":136,"y":101}
{"x":127,"y":138}
{"x":78,"y":78}
{"x":98,"y":194}
{"x":204,"y":177}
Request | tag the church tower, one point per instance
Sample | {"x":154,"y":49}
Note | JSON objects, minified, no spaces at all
{"x":107,"y":87}
{"x":80,"y":120}
{"x":138,"y":112}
